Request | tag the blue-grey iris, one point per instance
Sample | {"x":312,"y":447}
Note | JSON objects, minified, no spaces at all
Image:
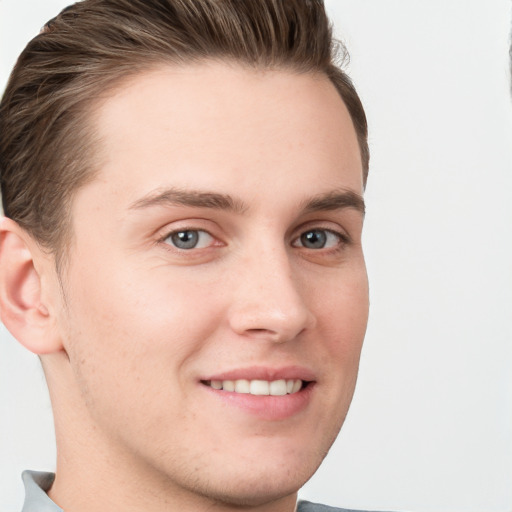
{"x":185,"y":239}
{"x":315,"y":239}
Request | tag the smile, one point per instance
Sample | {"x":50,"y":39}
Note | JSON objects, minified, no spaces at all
{"x":279,"y":387}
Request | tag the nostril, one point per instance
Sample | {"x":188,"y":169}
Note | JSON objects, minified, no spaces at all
{"x":261,"y":333}
{"x":276,"y":336}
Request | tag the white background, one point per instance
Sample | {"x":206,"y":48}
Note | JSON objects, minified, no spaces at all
{"x":430,"y":428}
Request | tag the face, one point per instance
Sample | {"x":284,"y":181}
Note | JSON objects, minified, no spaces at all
{"x":216,"y":292}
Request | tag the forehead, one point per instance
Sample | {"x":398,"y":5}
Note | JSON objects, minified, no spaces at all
{"x":224,"y":125}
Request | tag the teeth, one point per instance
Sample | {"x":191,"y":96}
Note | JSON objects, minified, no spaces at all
{"x":258,"y":387}
{"x":242,"y":386}
{"x":296,"y":386}
{"x":228,"y":385}
{"x":278,"y":387}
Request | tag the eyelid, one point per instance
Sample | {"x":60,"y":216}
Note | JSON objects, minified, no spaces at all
{"x":331,"y":226}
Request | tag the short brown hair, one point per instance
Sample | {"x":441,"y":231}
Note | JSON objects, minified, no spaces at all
{"x":46,"y":146}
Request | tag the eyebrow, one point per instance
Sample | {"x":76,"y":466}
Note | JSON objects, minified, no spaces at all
{"x":192,"y":198}
{"x":334,"y":200}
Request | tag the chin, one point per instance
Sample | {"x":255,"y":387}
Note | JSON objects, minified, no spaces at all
{"x":253,"y":492}
{"x":256,"y":483}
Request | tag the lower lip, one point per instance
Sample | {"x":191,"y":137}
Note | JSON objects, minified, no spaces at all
{"x":266,"y":407}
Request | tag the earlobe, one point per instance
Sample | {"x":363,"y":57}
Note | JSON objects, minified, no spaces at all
{"x":22,"y":310}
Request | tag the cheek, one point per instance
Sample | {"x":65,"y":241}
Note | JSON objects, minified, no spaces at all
{"x":129,"y":336}
{"x":342,"y":316}
{"x":342,"y":309}
{"x":137,"y":310}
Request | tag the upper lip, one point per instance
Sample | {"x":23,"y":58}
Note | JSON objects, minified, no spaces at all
{"x":264,"y":373}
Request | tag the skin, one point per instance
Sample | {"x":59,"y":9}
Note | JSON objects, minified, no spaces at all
{"x":135,"y":323}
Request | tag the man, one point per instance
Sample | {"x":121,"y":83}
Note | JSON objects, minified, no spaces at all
{"x":182,"y":183}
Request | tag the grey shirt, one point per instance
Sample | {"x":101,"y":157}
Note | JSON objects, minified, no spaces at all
{"x":36,"y":485}
{"x":36,"y":499}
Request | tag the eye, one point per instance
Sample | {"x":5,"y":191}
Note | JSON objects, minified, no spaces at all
{"x":187,"y":239}
{"x":318,"y":239}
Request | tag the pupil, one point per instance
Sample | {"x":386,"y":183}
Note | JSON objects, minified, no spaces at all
{"x":314,"y":239}
{"x":185,"y":239}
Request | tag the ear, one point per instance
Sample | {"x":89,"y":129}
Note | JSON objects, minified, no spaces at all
{"x":22,"y":309}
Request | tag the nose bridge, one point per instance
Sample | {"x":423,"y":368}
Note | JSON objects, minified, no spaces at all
{"x":270,"y":302}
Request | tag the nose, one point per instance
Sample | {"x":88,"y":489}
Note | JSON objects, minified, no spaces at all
{"x":269,"y":301}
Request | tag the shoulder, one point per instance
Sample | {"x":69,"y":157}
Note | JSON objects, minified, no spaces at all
{"x":307,"y":506}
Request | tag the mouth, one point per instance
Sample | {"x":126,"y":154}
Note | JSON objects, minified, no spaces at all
{"x":257,"y":387}
{"x":270,"y":394}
